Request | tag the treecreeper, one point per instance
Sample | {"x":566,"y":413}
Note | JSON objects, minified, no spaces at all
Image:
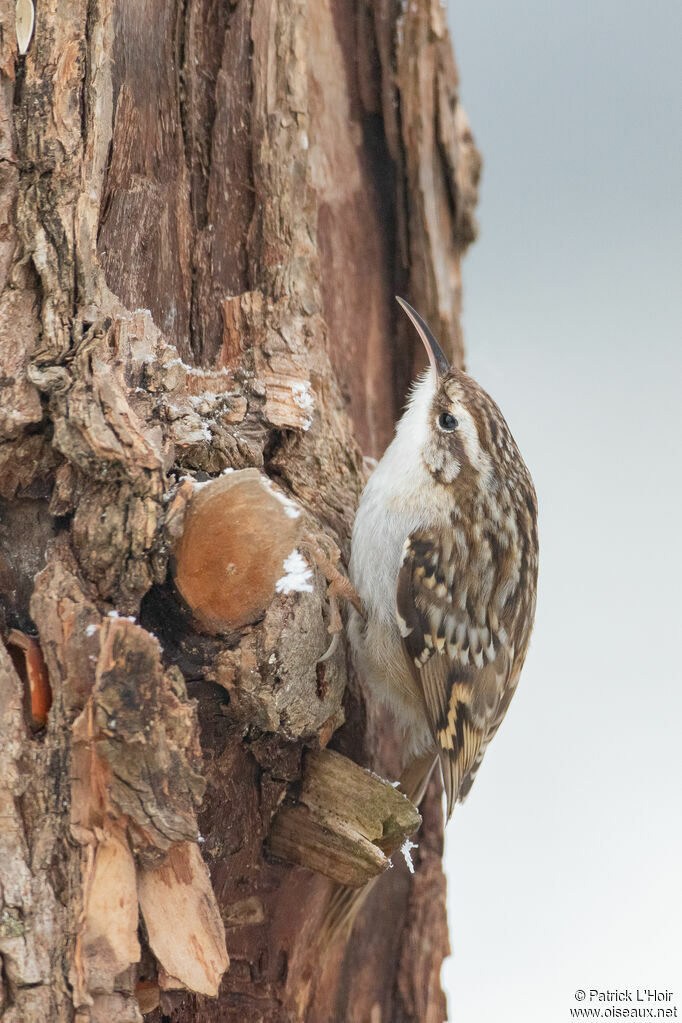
{"x":444,"y":560}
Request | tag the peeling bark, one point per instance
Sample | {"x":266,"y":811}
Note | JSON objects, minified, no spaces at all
{"x":205,"y":210}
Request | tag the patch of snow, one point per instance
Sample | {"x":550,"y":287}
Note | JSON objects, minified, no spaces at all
{"x":384,"y":780}
{"x":406,"y":849}
{"x":124,"y":618}
{"x":298,"y":576}
{"x":91,"y":630}
{"x":303,"y":398}
{"x":198,"y":372}
{"x":292,"y":509}
{"x":302,"y":394}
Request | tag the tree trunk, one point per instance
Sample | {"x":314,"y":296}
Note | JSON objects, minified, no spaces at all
{"x":206,"y":210}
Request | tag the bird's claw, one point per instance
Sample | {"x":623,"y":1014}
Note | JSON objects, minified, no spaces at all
{"x":338,"y":586}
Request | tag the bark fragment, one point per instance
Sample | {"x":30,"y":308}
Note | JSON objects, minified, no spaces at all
{"x":346,"y":822}
{"x":192,"y":952}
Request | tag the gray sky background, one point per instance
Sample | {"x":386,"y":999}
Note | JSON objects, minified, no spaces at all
{"x":565,"y":865}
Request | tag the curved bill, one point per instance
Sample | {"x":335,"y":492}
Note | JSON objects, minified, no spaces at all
{"x":433,"y":349}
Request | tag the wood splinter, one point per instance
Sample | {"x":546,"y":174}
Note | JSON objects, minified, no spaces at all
{"x":346,"y":822}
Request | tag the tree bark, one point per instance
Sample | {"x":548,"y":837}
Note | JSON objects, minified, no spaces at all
{"x":205,"y":212}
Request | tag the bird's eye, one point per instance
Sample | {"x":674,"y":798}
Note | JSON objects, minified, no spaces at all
{"x":447,"y":423}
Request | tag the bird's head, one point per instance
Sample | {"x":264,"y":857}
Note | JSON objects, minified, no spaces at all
{"x":463,"y":435}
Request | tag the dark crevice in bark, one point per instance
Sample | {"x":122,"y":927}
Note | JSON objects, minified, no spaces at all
{"x":26,"y":528}
{"x":449,"y":189}
{"x":105,"y":196}
{"x":90,"y":10}
{"x":273,"y":447}
{"x":185,"y":118}
{"x":162,"y":613}
{"x":180,"y":75}
{"x":219,"y":160}
{"x":201,"y":123}
{"x":19,"y":83}
{"x":383,"y":172}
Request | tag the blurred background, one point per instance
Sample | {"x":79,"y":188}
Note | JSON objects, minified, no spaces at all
{"x":564,"y":868}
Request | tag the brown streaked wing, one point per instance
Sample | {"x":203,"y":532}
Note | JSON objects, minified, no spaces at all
{"x":461,"y":700}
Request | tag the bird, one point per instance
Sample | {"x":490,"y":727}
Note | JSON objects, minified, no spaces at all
{"x":444,"y":560}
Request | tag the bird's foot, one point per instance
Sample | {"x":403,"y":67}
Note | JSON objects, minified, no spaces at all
{"x":326,"y":556}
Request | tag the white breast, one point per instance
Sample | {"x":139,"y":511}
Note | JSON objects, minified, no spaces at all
{"x":396,"y":501}
{"x":393,"y":504}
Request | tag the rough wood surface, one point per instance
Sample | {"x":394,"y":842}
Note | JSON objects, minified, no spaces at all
{"x":344,"y":822}
{"x":205,"y":210}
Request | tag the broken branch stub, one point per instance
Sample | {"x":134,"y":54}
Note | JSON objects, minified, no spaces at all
{"x":346,"y":822}
{"x":236,"y":534}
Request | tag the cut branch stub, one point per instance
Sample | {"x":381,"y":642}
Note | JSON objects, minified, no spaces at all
{"x":237,"y":533}
{"x":346,"y":822}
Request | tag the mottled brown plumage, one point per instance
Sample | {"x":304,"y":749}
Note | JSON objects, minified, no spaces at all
{"x":445,"y":558}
